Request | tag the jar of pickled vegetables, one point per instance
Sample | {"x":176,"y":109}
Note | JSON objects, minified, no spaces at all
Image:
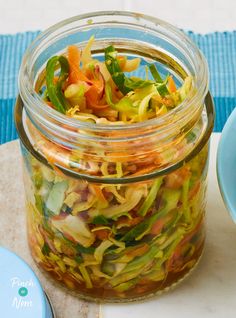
{"x":114,"y":118}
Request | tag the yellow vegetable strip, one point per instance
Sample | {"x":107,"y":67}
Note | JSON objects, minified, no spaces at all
{"x":98,"y":254}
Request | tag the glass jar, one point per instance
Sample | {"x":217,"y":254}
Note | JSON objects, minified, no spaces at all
{"x":116,"y":213}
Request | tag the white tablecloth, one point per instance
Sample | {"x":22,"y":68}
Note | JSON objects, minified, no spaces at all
{"x":197,"y":15}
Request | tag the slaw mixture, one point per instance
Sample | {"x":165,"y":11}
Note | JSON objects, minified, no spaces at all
{"x":113,"y":240}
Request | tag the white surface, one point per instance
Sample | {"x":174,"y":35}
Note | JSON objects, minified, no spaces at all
{"x":211,"y":290}
{"x":198,"y":15}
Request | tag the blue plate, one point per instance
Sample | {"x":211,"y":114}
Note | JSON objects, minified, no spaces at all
{"x":226,"y":164}
{"x":22,"y":295}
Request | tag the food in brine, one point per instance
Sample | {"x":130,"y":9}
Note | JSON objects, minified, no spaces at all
{"x":111,"y":240}
{"x":101,"y":92}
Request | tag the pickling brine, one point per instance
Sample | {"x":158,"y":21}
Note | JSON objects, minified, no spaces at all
{"x":115,"y":148}
{"x":116,"y":241}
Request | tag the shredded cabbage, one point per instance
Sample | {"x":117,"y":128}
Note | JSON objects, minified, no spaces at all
{"x":86,"y":56}
{"x":144,"y":106}
{"x":98,"y":254}
{"x":75,"y":228}
{"x":132,"y":199}
{"x":86,"y":276}
{"x":71,"y":199}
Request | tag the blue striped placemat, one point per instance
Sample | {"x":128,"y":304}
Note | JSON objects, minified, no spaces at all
{"x":219,"y":49}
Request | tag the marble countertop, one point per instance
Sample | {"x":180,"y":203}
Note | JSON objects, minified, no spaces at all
{"x":209,"y":292}
{"x":13,"y":234}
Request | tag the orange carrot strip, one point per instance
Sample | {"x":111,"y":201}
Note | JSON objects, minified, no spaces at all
{"x":157,"y":227}
{"x":92,"y":97}
{"x":75,"y":73}
{"x":144,"y":170}
{"x":98,"y":192}
{"x":139,"y":251}
{"x":124,"y":220}
{"x":102,"y":234}
{"x":95,"y":92}
{"x":171,"y":84}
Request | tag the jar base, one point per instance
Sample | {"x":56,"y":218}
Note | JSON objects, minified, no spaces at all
{"x":142,"y":298}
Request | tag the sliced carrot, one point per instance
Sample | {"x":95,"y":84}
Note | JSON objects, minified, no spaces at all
{"x":139,"y":251}
{"x":171,"y":84}
{"x":93,"y":97}
{"x":124,"y":220}
{"x":102,"y":234}
{"x":98,"y":192}
{"x":95,"y":92}
{"x":157,"y":227}
{"x":75,"y":74}
{"x":96,"y":85}
{"x":144,"y":170}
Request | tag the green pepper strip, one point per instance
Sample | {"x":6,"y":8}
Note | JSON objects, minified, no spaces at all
{"x":123,"y":278}
{"x":114,"y":69}
{"x":86,"y":276}
{"x":155,"y":73}
{"x":46,"y":249}
{"x":161,"y":85}
{"x":136,"y":83}
{"x":39,"y":203}
{"x":151,"y":197}
{"x":85,"y":250}
{"x":141,"y":229}
{"x":170,"y":246}
{"x":126,"y":286}
{"x":135,"y":267}
{"x":100,"y":220}
{"x":141,"y":261}
{"x":55,"y":90}
{"x":186,"y":207}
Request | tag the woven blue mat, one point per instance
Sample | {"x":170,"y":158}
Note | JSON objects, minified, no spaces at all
{"x":218,"y":48}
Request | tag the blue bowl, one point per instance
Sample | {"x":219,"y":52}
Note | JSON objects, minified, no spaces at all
{"x":226,"y":164}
